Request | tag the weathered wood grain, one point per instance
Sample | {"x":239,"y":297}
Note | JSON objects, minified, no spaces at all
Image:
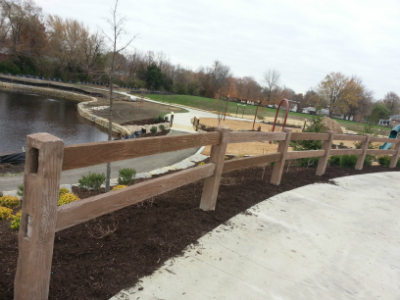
{"x":304,"y":154}
{"x":255,"y":136}
{"x":39,"y":214}
{"x":381,"y":152}
{"x":349,"y":137}
{"x":346,"y":151}
{"x":384,"y":140}
{"x":323,"y":161}
{"x":310,"y":136}
{"x":211,"y":184}
{"x":395,"y":157}
{"x":278,"y":167}
{"x":247,"y":162}
{"x":74,"y":213}
{"x":84,"y":155}
{"x":364,"y":148}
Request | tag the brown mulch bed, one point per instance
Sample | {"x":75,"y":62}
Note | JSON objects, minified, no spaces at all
{"x":88,"y":267}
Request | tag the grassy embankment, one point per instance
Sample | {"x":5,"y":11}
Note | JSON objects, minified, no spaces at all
{"x":233,"y":109}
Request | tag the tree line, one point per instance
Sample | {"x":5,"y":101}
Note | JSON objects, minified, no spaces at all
{"x":54,"y":47}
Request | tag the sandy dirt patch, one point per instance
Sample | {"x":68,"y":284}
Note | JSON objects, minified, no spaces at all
{"x":254,"y":148}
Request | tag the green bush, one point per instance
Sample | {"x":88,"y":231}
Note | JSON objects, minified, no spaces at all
{"x":316,"y":126}
{"x":159,"y":119}
{"x":334,"y":160}
{"x":348,"y":161}
{"x":126,"y":176}
{"x":92,"y":182}
{"x":166,"y":119}
{"x":384,"y":161}
{"x":16,"y":221}
{"x":153,"y":129}
{"x":162,"y":127}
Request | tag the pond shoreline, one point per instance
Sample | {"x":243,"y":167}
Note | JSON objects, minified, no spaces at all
{"x":70,"y":96}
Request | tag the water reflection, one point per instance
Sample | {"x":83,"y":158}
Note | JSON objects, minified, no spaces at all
{"x":22,"y":114}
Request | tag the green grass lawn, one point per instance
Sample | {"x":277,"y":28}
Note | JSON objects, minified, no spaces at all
{"x":233,"y":109}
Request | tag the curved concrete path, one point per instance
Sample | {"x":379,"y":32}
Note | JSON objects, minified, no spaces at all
{"x":321,"y":241}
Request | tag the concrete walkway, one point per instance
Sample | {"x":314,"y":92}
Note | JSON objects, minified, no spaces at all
{"x":321,"y":241}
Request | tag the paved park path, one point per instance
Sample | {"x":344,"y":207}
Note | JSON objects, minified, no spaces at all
{"x":320,"y":241}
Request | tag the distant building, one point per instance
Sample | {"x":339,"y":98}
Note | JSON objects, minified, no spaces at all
{"x":309,"y":110}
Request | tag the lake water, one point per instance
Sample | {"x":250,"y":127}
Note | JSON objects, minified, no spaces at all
{"x":22,"y":114}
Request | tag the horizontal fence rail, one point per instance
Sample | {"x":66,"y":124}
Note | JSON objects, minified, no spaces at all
{"x":77,"y":212}
{"x":47,"y":156}
{"x":85,"y":155}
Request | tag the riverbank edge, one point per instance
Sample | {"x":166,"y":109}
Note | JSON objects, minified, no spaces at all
{"x":82,"y":99}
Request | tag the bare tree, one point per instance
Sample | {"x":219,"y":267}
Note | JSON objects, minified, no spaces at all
{"x":116,"y":24}
{"x":271,"y":78}
{"x":392,"y":102}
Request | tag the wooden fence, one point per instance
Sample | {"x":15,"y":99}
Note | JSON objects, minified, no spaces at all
{"x":47,"y":157}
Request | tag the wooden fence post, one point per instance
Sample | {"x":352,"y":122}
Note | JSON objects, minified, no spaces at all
{"x":278,"y":168}
{"x":395,"y":157}
{"x":323,"y":161}
{"x":44,"y":157}
{"x":361,"y":157}
{"x":211,"y":184}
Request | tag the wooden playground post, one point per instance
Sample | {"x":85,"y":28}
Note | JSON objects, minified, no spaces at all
{"x":211,"y":184}
{"x":282,"y":149}
{"x":43,"y":167}
{"x":364,"y":147}
{"x":395,"y":157}
{"x":323,"y":161}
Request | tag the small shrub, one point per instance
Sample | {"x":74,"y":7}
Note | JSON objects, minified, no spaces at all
{"x":153,"y":129}
{"x":158,"y":119}
{"x":1,"y":194}
{"x":162,"y":127}
{"x":398,"y":163}
{"x":118,"y":187}
{"x":9,"y":201}
{"x":126,"y":176}
{"x":63,"y":191}
{"x":166,"y":119}
{"x":201,"y":164}
{"x":241,"y":155}
{"x":348,"y":161}
{"x":67,"y":198}
{"x":20,"y":191}
{"x":341,"y":144}
{"x":16,"y":221}
{"x":92,"y":182}
{"x":384,"y":161}
{"x":5,"y":213}
{"x":334,"y":160}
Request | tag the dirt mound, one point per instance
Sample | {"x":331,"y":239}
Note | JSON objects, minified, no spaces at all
{"x":332,"y":125}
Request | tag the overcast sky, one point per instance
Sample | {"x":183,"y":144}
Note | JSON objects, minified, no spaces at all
{"x":303,"y":40}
